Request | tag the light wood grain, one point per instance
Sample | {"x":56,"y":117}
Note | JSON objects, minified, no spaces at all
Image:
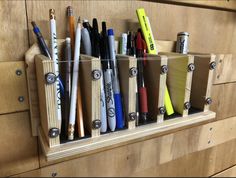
{"x":225,"y":72}
{"x":47,"y":100}
{"x":32,"y":82}
{"x":13,"y":32}
{"x":18,"y":151}
{"x":214,"y":4}
{"x":204,"y":25}
{"x":224,"y":98}
{"x":156,"y":83}
{"x":170,"y":155}
{"x":13,"y":86}
{"x":91,"y":93}
{"x":214,"y":160}
{"x":202,"y":81}
{"x":231,"y":172}
{"x":128,"y":86}
{"x":179,"y":80}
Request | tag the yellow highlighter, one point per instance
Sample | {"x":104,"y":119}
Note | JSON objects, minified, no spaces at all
{"x":152,"y":49}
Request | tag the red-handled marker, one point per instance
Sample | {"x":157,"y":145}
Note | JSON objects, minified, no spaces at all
{"x":143,"y":103}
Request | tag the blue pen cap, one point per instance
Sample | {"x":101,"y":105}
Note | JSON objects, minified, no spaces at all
{"x":110,"y":32}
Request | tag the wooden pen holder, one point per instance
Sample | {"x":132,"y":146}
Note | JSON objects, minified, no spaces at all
{"x":178,"y":79}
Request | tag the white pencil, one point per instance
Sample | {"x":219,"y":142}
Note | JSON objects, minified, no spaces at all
{"x":54,"y":49}
{"x":74,"y":83}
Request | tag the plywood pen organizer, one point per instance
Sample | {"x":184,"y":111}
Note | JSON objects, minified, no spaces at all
{"x":187,"y":77}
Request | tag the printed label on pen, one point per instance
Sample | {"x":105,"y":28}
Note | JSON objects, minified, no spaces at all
{"x":109,"y":94}
{"x":56,"y":65}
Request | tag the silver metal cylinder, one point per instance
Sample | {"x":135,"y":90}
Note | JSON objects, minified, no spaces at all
{"x":182,"y":43}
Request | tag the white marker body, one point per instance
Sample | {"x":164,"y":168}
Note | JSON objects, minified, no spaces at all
{"x":103,"y":107}
{"x":111,"y":114}
{"x":55,"y":59}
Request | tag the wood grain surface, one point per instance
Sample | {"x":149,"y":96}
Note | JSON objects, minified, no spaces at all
{"x":18,"y":150}
{"x":175,"y":154}
{"x":14,"y":94}
{"x":204,"y":25}
{"x":13,"y":31}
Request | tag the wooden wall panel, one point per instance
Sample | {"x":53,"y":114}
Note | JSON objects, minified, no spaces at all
{"x":144,"y":155}
{"x":13,"y":87}
{"x":211,"y":31}
{"x":231,"y":172}
{"x":225,"y":71}
{"x":13,"y":31}
{"x":18,"y":150}
{"x":217,"y":4}
{"x":224,"y":98}
{"x":125,"y":161}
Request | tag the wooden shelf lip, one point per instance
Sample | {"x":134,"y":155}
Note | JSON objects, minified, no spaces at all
{"x":111,"y":140}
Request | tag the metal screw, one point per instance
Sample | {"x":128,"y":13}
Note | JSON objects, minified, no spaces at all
{"x":208,"y":101}
{"x":133,"y":72}
{"x":212,"y":65}
{"x":164,"y":69}
{"x":18,"y":72}
{"x":191,"y":67}
{"x":132,"y":116}
{"x":53,"y":132}
{"x":97,"y":124}
{"x":96,"y":74}
{"x":21,"y":99}
{"x":187,"y":105}
{"x":54,"y":174}
{"x":162,"y":110}
{"x":50,"y":78}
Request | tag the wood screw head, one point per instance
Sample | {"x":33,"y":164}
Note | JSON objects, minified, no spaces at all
{"x":209,"y":101}
{"x":53,"y":132}
{"x":187,"y":105}
{"x":212,"y":65}
{"x":50,"y":78}
{"x":132,"y":116}
{"x":21,"y":99}
{"x":162,"y":110}
{"x":97,"y":124}
{"x":18,"y":72}
{"x":191,"y":67}
{"x":164,"y":69}
{"x":133,"y":72}
{"x":96,"y":74}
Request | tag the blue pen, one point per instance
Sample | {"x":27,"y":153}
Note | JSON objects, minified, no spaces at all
{"x":44,"y":48}
{"x":115,"y":83}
